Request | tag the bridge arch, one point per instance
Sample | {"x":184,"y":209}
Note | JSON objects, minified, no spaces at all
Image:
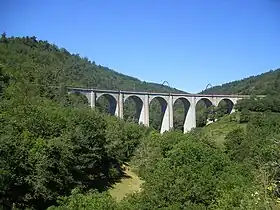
{"x":158,"y":112}
{"x":181,"y":106}
{"x":225,"y":106}
{"x":203,"y":110}
{"x":162,"y":100}
{"x":207,"y":101}
{"x":134,"y":104}
{"x":107,"y":102}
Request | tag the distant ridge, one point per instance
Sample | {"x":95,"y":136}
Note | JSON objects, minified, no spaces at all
{"x":61,"y":67}
{"x":262,"y":84}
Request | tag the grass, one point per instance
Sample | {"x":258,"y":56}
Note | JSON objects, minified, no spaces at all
{"x":218,"y":130}
{"x":131,"y":183}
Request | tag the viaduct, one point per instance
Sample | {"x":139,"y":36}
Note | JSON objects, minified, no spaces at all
{"x":142,"y":100}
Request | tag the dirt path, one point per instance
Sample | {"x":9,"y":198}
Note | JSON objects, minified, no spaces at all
{"x":130,"y":184}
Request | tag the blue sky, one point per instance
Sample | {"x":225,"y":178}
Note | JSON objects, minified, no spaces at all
{"x":187,"y":43}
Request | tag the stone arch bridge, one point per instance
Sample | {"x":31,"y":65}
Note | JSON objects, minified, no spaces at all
{"x":116,"y":101}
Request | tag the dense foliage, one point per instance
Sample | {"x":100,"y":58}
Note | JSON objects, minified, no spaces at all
{"x":45,"y":63}
{"x":269,"y":103}
{"x":263,"y":84}
{"x":189,"y":172}
{"x":47,"y":150}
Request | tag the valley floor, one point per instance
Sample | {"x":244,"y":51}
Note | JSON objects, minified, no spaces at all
{"x":131,"y":183}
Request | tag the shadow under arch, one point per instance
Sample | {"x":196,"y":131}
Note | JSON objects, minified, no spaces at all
{"x":133,"y":106}
{"x":78,"y":99}
{"x":203,"y":111}
{"x":225,"y":106}
{"x":157,"y":108}
{"x":181,"y":107}
{"x":206,"y":101}
{"x":107,"y":103}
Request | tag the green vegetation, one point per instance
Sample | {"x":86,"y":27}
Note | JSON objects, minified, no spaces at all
{"x":45,"y":63}
{"x":47,"y":150}
{"x":218,"y":131}
{"x":188,"y":172}
{"x":57,"y":153}
{"x":130,"y":183}
{"x":263,"y":84}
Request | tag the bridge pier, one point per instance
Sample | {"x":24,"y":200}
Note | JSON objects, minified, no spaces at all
{"x":190,"y":118}
{"x":92,"y":99}
{"x":167,"y":110}
{"x":165,"y":125}
{"x":120,"y":103}
{"x":170,"y":108}
{"x":144,"y":111}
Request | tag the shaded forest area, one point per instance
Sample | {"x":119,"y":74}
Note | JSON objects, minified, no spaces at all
{"x":57,"y":153}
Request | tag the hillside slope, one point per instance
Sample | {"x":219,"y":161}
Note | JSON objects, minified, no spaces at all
{"x":266,"y":83}
{"x":45,"y":63}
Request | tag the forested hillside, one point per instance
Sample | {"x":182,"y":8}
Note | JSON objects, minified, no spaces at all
{"x":46,"y":64}
{"x":266,"y":83}
{"x":57,"y":153}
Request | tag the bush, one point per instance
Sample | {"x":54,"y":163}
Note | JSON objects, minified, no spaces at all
{"x":89,"y":201}
{"x":182,"y":172}
{"x":244,"y":116}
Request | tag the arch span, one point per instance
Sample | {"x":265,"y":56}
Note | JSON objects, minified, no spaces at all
{"x":134,"y":105}
{"x":159,"y":113}
{"x":162,"y":101}
{"x":107,"y":103}
{"x":206,"y":101}
{"x":135,"y":98}
{"x":225,"y":106}
{"x":180,"y":116}
{"x":204,"y":111}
